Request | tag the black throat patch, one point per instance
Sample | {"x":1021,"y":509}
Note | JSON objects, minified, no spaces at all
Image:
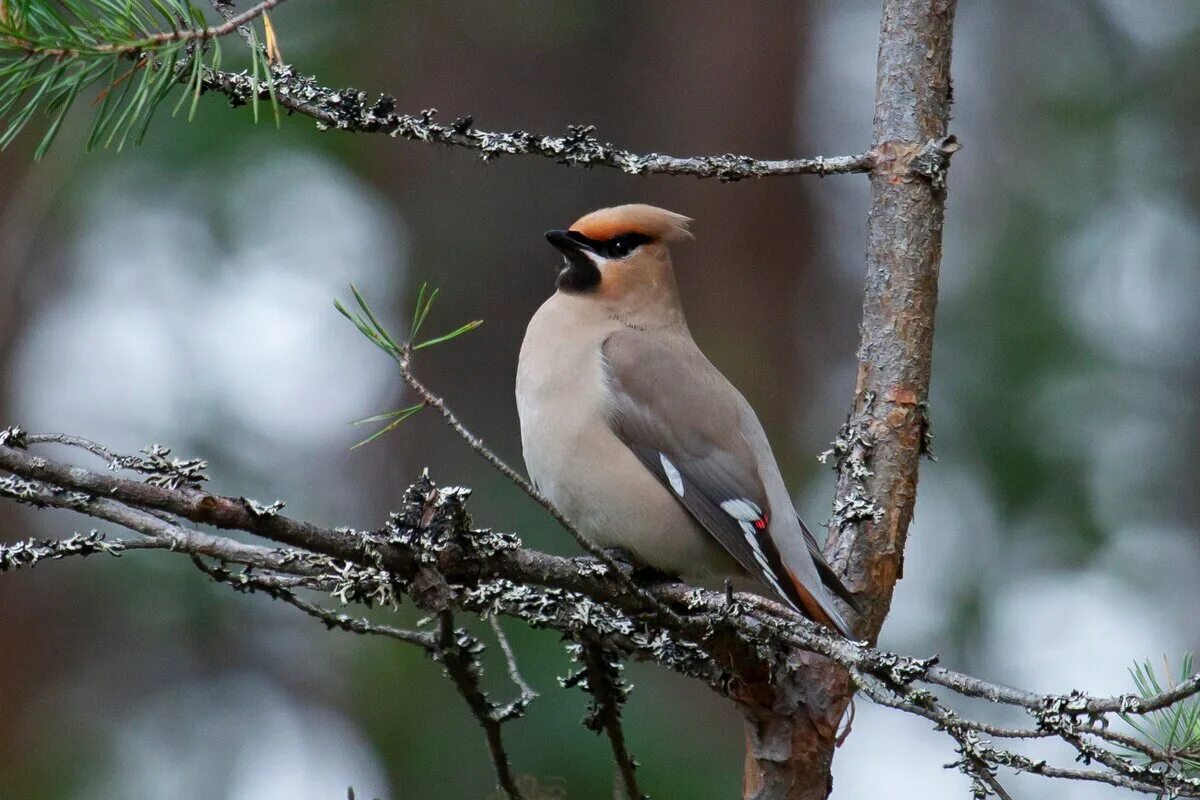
{"x":579,"y":274}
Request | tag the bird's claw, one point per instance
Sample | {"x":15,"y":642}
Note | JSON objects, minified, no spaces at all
{"x":622,"y":558}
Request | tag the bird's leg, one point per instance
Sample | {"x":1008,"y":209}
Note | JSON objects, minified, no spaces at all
{"x":640,"y":573}
{"x":729,"y":591}
{"x":622,"y":557}
{"x":649,"y":576}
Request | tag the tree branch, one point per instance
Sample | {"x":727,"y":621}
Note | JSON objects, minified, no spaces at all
{"x":879,"y":448}
{"x":429,"y":553}
{"x":280,"y":588}
{"x":353,"y":110}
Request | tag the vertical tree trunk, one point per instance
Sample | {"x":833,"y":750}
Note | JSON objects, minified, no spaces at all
{"x":792,"y":723}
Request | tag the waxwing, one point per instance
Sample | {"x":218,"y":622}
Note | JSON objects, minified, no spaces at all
{"x":638,"y":439}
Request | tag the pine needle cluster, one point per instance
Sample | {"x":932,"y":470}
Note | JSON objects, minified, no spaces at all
{"x":128,"y":55}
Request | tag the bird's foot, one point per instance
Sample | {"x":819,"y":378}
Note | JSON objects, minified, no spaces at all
{"x":622,"y":557}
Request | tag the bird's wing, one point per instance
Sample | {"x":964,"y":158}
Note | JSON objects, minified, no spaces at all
{"x":681,"y":418}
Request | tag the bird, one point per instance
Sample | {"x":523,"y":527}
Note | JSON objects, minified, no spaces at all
{"x":633,"y":434}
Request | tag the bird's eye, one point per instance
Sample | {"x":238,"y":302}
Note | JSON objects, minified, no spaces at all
{"x":624,"y":244}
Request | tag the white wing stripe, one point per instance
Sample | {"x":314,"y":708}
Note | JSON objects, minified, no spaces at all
{"x":742,"y":510}
{"x":752,"y":538}
{"x":672,"y":474}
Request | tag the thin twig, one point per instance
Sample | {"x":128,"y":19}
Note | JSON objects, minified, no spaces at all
{"x":964,"y":732}
{"x":977,"y":768}
{"x":517,"y":707}
{"x":602,"y":682}
{"x":154,"y":461}
{"x":280,"y":588}
{"x":454,"y":653}
{"x":1152,"y":753}
{"x":95,"y":448}
{"x":227,"y":11}
{"x":163,"y":533}
{"x":29,"y":552}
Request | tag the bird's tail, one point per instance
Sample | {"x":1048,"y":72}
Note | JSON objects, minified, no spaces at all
{"x":822,"y":610}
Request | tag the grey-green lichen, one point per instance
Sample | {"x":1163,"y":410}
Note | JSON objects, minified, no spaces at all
{"x":434,"y":519}
{"x":850,"y":451}
{"x":13,"y":436}
{"x":29,"y":552}
{"x":160,"y":469}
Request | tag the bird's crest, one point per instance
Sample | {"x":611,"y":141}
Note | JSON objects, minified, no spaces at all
{"x":657,"y":223}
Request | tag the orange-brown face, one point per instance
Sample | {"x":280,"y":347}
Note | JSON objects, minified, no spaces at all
{"x":615,"y":250}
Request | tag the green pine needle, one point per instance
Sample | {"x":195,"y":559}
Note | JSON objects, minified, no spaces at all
{"x":369,"y":326}
{"x":254,"y":66}
{"x":1176,"y":729}
{"x":454,"y":334}
{"x":425,"y":300}
{"x":397,"y":418}
{"x":52,"y":52}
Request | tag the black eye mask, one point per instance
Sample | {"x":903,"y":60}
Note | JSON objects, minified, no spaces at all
{"x":616,"y":247}
{"x":580,"y":273}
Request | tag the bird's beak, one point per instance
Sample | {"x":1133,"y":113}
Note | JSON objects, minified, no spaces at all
{"x":568,"y":243}
{"x":580,"y":265}
{"x":577,"y":252}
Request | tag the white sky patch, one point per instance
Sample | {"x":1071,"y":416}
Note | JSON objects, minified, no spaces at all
{"x":237,"y":738}
{"x":195,"y":309}
{"x":1156,"y":25}
{"x":1131,"y":286}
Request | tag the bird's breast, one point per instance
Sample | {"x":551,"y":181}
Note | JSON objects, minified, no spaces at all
{"x":560,"y":391}
{"x":577,"y":461}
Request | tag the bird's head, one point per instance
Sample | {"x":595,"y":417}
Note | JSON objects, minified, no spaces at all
{"x":620,"y":251}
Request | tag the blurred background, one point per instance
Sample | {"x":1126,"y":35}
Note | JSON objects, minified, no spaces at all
{"x":181,"y":292}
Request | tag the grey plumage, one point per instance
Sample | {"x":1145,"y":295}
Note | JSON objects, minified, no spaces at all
{"x":638,"y":438}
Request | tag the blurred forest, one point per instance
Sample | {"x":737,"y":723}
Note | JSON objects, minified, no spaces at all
{"x":181,"y":292}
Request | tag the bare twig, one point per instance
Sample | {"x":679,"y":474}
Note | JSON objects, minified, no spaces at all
{"x":226,"y":9}
{"x":164,"y":534}
{"x":601,"y":678}
{"x":975,"y":752}
{"x":458,"y":651}
{"x":95,"y":448}
{"x":517,"y":707}
{"x":154,"y":461}
{"x":280,"y":588}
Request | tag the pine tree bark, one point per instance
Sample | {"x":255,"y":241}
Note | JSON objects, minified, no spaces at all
{"x":792,"y":722}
